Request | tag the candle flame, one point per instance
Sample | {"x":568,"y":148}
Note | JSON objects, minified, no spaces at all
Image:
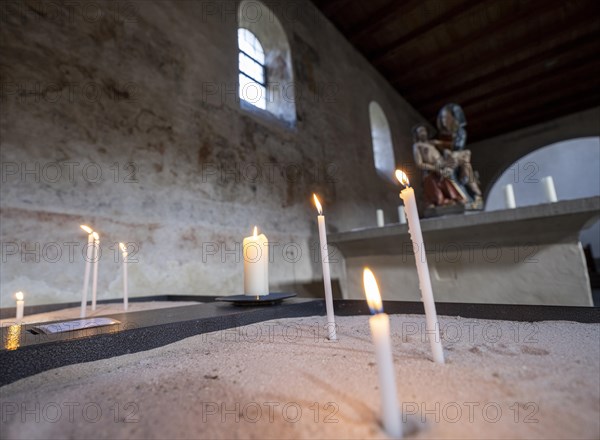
{"x":19,"y":296}
{"x":318,"y":204}
{"x":372,"y":291}
{"x":86,"y":229}
{"x":123,"y":247}
{"x":402,"y":178}
{"x":255,"y":231}
{"x":95,"y":235}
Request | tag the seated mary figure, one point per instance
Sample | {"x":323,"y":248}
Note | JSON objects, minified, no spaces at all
{"x":452,"y":135}
{"x":438,"y":188}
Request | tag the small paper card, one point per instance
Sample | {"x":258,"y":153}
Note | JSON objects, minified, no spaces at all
{"x":78,"y":324}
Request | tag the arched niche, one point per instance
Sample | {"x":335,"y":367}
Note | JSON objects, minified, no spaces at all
{"x":573,"y":165}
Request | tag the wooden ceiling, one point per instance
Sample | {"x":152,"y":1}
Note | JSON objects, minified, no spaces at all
{"x":509,"y":63}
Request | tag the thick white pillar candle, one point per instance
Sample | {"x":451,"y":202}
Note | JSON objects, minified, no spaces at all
{"x":549,"y":190}
{"x":256,"y":264}
{"x":89,"y":255}
{"x":331,"y":333}
{"x":509,"y":196}
{"x":380,"y":333}
{"x":125,"y":295}
{"x":401,"y":214}
{"x":96,"y":263}
{"x":414,"y":229}
{"x":380,"y":221}
{"x":20,"y":306}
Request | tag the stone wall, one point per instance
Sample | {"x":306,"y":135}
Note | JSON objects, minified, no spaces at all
{"x":124,"y":116}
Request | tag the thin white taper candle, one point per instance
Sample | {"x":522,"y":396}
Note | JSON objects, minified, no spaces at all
{"x":96,"y":263}
{"x":414,"y":229}
{"x":89,"y":252}
{"x":331,"y":331}
{"x":509,"y":196}
{"x":401,"y":214}
{"x":380,"y":220}
{"x":379,"y":324}
{"x":549,"y":190}
{"x":125,"y":295}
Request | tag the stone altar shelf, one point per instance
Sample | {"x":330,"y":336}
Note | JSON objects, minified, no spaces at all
{"x":528,"y":255}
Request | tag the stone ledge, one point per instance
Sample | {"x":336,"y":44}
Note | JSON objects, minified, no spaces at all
{"x":538,"y":224}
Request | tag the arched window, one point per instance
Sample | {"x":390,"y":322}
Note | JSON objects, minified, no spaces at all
{"x":381,"y":137}
{"x":265,"y":62}
{"x":252,"y":75}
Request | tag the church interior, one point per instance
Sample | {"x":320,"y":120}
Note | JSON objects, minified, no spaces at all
{"x":330,"y":219}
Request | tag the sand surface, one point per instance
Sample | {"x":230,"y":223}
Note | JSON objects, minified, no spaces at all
{"x":101,"y":309}
{"x":282,"y":379}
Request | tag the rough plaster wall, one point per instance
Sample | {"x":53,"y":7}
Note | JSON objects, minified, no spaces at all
{"x":154,"y":83}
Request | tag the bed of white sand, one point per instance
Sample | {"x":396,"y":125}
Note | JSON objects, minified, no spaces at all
{"x":281,"y":379}
{"x":101,"y":309}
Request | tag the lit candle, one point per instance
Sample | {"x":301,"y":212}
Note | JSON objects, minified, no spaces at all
{"x":125,"y":297}
{"x":331,"y":333}
{"x":380,"y":221}
{"x":414,"y":229}
{"x":256,"y":264}
{"x":401,"y":214}
{"x":96,"y":261}
{"x":549,"y":190}
{"x":88,"y":261}
{"x":380,"y":332}
{"x":509,"y":196}
{"x":20,"y":306}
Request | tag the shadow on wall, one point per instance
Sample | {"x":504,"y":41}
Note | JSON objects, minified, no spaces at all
{"x":574,"y":166}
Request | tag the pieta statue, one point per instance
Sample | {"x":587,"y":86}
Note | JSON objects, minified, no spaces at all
{"x":448,"y":177}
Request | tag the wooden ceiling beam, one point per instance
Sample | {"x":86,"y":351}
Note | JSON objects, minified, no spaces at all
{"x":578,"y":45}
{"x":328,"y":7}
{"x":485,"y":92}
{"x":585,"y":78}
{"x":379,"y":18}
{"x":588,"y":67}
{"x":378,"y":56}
{"x":414,"y":77}
{"x":532,"y":109}
{"x":556,"y":109}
